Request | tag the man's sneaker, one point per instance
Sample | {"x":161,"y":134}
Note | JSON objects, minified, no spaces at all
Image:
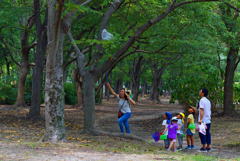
{"x":202,"y":150}
{"x":188,"y":147}
{"x":208,"y":149}
{"x":192,"y":147}
{"x":179,"y":148}
{"x":166,"y":148}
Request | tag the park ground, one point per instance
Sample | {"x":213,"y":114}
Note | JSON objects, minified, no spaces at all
{"x":19,"y":137}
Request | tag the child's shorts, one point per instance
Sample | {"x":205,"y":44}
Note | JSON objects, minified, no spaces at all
{"x":173,"y":140}
{"x":189,"y":132}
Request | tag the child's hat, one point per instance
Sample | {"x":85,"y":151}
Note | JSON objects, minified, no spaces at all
{"x":169,"y":116}
{"x":183,"y":116}
{"x":174,"y":119}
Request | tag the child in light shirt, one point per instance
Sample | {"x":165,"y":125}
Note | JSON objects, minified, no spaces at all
{"x":180,"y":117}
{"x":167,"y":117}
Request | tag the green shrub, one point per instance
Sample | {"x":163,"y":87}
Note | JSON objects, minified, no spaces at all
{"x":70,"y":93}
{"x":185,"y":89}
{"x":8,"y":88}
{"x":236,"y":93}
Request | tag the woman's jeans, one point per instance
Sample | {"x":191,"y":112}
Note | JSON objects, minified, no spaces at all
{"x":124,"y":120}
{"x":206,"y":138}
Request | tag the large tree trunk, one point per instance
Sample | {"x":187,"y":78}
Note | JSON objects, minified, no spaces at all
{"x":37,"y":78}
{"x":54,"y":96}
{"x":228,"y":84}
{"x":89,"y":104}
{"x":54,"y":91}
{"x":22,"y":78}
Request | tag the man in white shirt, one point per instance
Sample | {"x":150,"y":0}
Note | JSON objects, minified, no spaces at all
{"x":205,"y":117}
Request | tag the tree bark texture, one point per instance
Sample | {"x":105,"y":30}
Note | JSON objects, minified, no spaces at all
{"x":37,"y":78}
{"x":228,"y":84}
{"x":23,"y":75}
{"x":79,"y":89}
{"x":54,"y":92}
{"x":24,"y":64}
{"x":155,"y":93}
{"x":89,"y":104}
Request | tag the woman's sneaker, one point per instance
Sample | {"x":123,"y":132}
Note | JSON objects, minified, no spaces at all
{"x":192,"y":147}
{"x":202,"y":150}
{"x":208,"y":149}
{"x":175,"y":150}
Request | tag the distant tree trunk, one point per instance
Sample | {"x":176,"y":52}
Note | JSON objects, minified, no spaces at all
{"x":120,"y":83}
{"x":146,"y":88}
{"x":143,"y":88}
{"x":107,"y":90}
{"x":8,"y":66}
{"x":24,"y":64}
{"x":116,"y":83}
{"x":155,"y":98}
{"x":22,"y":78}
{"x":78,"y":79}
{"x":135,"y":90}
{"x":79,"y":93}
{"x":37,"y":79}
{"x":131,"y":85}
{"x":228,"y":84}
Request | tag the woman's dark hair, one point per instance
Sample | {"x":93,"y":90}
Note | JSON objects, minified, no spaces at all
{"x":205,"y":91}
{"x":124,"y":94}
{"x":193,"y":113}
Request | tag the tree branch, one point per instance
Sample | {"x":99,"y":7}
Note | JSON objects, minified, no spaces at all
{"x":104,"y":25}
{"x":9,"y":52}
{"x":32,"y":46}
{"x":80,"y":55}
{"x":237,"y":9}
{"x":144,"y":10}
{"x":31,"y":64}
{"x":188,"y":2}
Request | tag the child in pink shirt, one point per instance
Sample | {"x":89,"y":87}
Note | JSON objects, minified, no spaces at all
{"x":172,"y":132}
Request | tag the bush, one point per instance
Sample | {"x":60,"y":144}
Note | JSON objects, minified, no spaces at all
{"x":8,"y":88}
{"x":236,"y":93}
{"x":70,"y":93}
{"x":185,"y":89}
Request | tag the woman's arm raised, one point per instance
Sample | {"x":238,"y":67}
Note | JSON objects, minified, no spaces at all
{"x":111,"y":90}
{"x":132,"y":102}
